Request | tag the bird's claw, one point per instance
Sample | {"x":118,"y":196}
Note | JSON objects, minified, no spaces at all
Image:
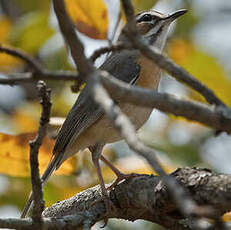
{"x":121,"y":177}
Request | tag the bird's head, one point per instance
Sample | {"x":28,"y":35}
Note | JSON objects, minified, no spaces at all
{"x":153,"y":26}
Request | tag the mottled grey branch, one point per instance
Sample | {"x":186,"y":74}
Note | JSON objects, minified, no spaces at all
{"x":217,"y":117}
{"x":143,"y":197}
{"x":146,"y":197}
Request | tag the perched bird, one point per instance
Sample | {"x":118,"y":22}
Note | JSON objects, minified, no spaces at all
{"x":86,"y":125}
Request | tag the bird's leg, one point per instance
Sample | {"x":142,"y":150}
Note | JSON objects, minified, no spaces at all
{"x":96,"y":153}
{"x":120,"y":176}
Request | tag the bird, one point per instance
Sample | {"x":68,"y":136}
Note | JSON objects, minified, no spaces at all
{"x":87,"y":126}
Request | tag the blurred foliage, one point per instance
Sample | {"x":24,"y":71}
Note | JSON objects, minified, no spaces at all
{"x":31,"y":31}
{"x":29,"y":6}
{"x":186,"y":25}
{"x":203,"y":66}
{"x":14,"y":153}
{"x":32,"y":28}
{"x":140,"y":5}
{"x":7,"y":62}
{"x":4,"y":29}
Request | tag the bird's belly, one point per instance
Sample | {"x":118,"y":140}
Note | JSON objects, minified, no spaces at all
{"x":103,"y":130}
{"x":137,"y":115}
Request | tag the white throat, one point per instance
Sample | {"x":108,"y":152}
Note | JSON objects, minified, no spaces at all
{"x":160,"y":41}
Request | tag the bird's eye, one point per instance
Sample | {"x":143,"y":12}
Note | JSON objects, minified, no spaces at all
{"x":146,"y":18}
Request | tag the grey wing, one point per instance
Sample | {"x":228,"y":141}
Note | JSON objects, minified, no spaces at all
{"x":123,"y":66}
{"x":83,"y":114}
{"x":85,"y":110}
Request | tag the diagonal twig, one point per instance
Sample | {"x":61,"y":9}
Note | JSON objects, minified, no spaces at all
{"x":112,"y":48}
{"x":165,"y":63}
{"x":185,"y":203}
{"x":76,"y":47}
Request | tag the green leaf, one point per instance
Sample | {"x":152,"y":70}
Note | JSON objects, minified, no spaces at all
{"x":31,"y":32}
{"x":28,"y":6}
{"x":141,"y":5}
{"x":203,"y":66}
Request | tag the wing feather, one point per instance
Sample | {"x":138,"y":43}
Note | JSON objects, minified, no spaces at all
{"x":85,"y":110}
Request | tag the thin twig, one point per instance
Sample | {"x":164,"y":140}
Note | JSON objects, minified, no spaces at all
{"x":112,"y":48}
{"x":32,"y":62}
{"x":21,"y":78}
{"x":76,"y":47}
{"x":44,"y":94}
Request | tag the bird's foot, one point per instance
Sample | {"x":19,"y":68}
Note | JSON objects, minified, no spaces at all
{"x":109,"y":206}
{"x":120,"y":177}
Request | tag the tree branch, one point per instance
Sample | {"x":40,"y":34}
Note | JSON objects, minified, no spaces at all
{"x":32,"y":62}
{"x":218,"y":117}
{"x":146,"y":197}
{"x":112,"y":48}
{"x":143,"y":197}
{"x":37,"y":192}
{"x":76,"y":47}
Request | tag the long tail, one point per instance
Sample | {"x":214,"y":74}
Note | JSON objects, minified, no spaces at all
{"x":46,"y":175}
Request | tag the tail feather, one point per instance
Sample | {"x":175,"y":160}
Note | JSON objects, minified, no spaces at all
{"x":46,"y":175}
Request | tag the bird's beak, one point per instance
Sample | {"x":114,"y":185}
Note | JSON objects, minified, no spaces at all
{"x":173,"y":16}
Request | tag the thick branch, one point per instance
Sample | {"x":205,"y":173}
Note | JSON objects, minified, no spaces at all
{"x":76,"y":47}
{"x":143,"y":197}
{"x":217,"y":117}
{"x":146,"y":197}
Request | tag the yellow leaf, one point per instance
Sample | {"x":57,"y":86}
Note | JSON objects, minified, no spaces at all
{"x":227,"y":217}
{"x":90,"y":17}
{"x":8,"y":62}
{"x":24,"y":122}
{"x":203,"y":66}
{"x":25,"y":118}
{"x":14,"y":155}
{"x":4,"y":29}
